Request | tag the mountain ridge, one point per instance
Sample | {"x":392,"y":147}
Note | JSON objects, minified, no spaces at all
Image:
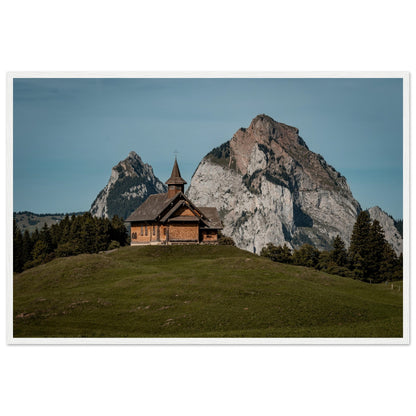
{"x":270,"y":187}
{"x":267,"y":185}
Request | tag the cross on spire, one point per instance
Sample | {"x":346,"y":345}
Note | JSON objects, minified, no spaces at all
{"x":175,"y":177}
{"x":175,"y":183}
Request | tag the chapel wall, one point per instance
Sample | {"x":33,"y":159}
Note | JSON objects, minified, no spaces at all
{"x":209,"y":235}
{"x":143,"y":233}
{"x":184,"y":232}
{"x":184,"y":211}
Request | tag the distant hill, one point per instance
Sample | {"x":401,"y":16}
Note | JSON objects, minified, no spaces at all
{"x":27,"y":220}
{"x":197,"y":291}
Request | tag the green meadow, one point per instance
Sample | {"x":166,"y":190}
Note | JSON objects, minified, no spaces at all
{"x":197,"y":291}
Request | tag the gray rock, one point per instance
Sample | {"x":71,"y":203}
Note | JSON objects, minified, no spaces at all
{"x":391,"y":233}
{"x":269,"y":187}
{"x":130,"y":184}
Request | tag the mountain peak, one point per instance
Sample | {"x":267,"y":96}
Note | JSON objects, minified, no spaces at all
{"x":262,"y":126}
{"x":133,"y":155}
{"x":262,"y":119}
{"x":130,"y":183}
{"x":271,"y":188}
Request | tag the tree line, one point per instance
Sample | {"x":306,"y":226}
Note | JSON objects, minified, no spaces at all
{"x":71,"y":236}
{"x":369,"y":258}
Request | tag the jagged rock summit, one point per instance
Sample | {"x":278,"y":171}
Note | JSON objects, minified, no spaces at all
{"x":391,"y":232}
{"x":269,"y":187}
{"x":130,"y":184}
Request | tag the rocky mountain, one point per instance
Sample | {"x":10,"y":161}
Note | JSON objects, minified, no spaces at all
{"x":269,"y":187}
{"x":130,"y":183}
{"x":390,"y":228}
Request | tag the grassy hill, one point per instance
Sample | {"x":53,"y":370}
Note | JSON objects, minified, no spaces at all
{"x":196,"y":291}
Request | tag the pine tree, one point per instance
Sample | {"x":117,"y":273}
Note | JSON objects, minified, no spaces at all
{"x":398,"y":273}
{"x":118,"y":231}
{"x":56,"y":234}
{"x":18,"y":259}
{"x":40,"y":252}
{"x":377,"y":246}
{"x":339,"y":255}
{"x":324,"y":261}
{"x":359,"y":248}
{"x":103,"y":233}
{"x":389,"y":264}
{"x":88,"y":234}
{"x":27,"y":247}
{"x":45,"y":236}
{"x":306,"y":255}
{"x":35,"y":236}
{"x":65,"y":226}
{"x":75,"y":234}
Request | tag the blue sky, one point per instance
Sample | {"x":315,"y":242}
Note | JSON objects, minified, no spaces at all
{"x":69,"y":133}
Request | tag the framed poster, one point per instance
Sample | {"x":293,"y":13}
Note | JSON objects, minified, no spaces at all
{"x":230,"y":208}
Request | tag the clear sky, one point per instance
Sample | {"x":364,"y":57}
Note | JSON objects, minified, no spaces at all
{"x":69,"y":133}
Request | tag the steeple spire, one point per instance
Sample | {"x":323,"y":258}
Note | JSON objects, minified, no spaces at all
{"x":175,"y":183}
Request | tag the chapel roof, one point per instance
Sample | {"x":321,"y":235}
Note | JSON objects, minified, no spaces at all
{"x":213,"y":217}
{"x":158,"y":204}
{"x":150,"y":208}
{"x":181,"y":202}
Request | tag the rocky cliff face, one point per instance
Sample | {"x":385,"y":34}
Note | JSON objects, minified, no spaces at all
{"x":269,"y":187}
{"x":389,"y":226}
{"x":131,"y":182}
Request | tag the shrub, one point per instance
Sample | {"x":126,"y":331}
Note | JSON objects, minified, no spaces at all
{"x":282,"y":254}
{"x":66,"y":249}
{"x":113,"y":245}
{"x":224,"y":240}
{"x":306,"y":255}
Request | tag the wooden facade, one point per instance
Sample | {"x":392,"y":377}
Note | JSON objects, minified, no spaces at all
{"x":172,"y":218}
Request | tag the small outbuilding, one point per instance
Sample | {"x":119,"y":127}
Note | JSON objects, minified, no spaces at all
{"x":171,"y":218}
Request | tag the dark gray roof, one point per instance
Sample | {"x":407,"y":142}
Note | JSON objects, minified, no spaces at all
{"x":171,"y":211}
{"x":180,"y":203}
{"x":150,"y":208}
{"x":157,"y":204}
{"x":183,"y":218}
{"x":213,"y":217}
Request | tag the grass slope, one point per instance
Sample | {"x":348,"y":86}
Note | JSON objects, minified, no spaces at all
{"x":196,"y":291}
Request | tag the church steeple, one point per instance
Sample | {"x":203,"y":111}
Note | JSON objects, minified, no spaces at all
{"x":175,"y":183}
